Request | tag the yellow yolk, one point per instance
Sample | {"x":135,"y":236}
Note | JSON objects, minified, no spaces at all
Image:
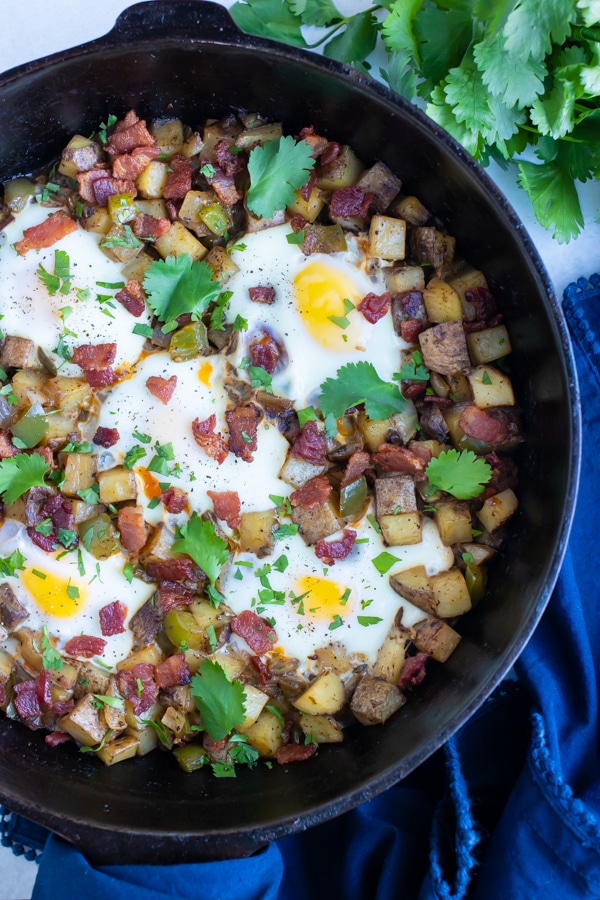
{"x":55,"y":596}
{"x":320,"y":292}
{"x":205,"y":374}
{"x":324,"y":599}
{"x":151,"y":485}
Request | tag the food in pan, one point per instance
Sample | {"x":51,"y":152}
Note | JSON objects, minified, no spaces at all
{"x":255,"y":438}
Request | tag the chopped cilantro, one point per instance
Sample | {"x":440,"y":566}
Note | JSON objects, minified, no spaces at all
{"x":90,"y":495}
{"x":10,"y":565}
{"x":295,"y":237}
{"x":284,"y":531}
{"x":343,"y":321}
{"x":384,"y":562}
{"x":142,"y":330}
{"x":307,"y":414}
{"x":336,"y":622}
{"x":133,"y":456}
{"x":368,"y":620}
{"x":260,"y":378}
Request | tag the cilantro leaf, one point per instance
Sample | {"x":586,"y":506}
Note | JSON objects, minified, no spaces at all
{"x":277,"y":169}
{"x":461,"y":474}
{"x":270,"y":19}
{"x":198,"y":538}
{"x":354,"y":43}
{"x":177,"y":285}
{"x":359,"y":383}
{"x":553,"y":194}
{"x":316,"y":12}
{"x":21,"y":472}
{"x":220,"y":702}
{"x":10,"y":564}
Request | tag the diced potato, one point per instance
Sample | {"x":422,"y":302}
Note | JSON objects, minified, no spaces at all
{"x":391,"y":656}
{"x":498,"y":509}
{"x":308,"y":209}
{"x":395,"y":494}
{"x":193,"y":145}
{"x":62,"y":426}
{"x":459,"y":386}
{"x":137,"y":267}
{"x":256,"y":223}
{"x":441,"y":301}
{"x":414,"y":585}
{"x":343,"y":171}
{"x":490,"y":387}
{"x":206,"y":614}
{"x":117,"y":484}
{"x":333,"y":656}
{"x":91,"y":679}
{"x":18,"y":352}
{"x":120,"y":244}
{"x":436,"y":638}
{"x":249,"y":137}
{"x":140,"y":722}
{"x":451,"y":594}
{"x":80,"y":155}
{"x":151,"y":654}
{"x":374,"y":431}
{"x":465,"y":280}
{"x":147,"y":738}
{"x":120,"y":749}
{"x":114,"y":715}
{"x":80,"y":473}
{"x":453,"y":519}
{"x":481,"y":553}
{"x":444,"y":348}
{"x":254,"y":704}
{"x":488,"y":344}
{"x":28,"y":385}
{"x":151,"y":182}
{"x":399,"y":279}
{"x":222,"y":264}
{"x":428,"y":245}
{"x":175,"y":720}
{"x":155,"y":208}
{"x":315,"y":524}
{"x":411,"y":209}
{"x":387,"y":237}
{"x":177,"y":241}
{"x":96,"y":220}
{"x":380,"y":181}
{"x":189,"y":213}
{"x":323,"y":239}
{"x":322,"y":729}
{"x":374,"y":700}
{"x":159,"y":546}
{"x":168,"y":134}
{"x":324,"y":696}
{"x":6,"y":666}
{"x":227,"y":129}
{"x":402,"y":529}
{"x":265,"y":734}
{"x":84,"y":723}
{"x":256,"y":532}
{"x":297,"y":471}
{"x":232,"y":663}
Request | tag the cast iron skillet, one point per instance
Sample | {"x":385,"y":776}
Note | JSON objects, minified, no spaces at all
{"x":186,"y":58}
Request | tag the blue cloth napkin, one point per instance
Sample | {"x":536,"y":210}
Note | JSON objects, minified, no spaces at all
{"x":510,"y":807}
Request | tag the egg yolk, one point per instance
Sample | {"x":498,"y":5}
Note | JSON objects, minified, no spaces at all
{"x":323,"y":598}
{"x":56,"y":596}
{"x":321,"y":291}
{"x":205,"y":374}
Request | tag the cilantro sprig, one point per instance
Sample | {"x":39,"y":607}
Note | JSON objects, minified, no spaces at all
{"x":461,"y":474}
{"x":220,"y":701}
{"x":199,"y":539}
{"x":21,"y":472}
{"x":357,"y":383}
{"x":177,"y":285}
{"x":277,"y":169}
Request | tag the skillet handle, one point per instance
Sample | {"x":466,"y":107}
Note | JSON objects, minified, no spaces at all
{"x":196,"y":19}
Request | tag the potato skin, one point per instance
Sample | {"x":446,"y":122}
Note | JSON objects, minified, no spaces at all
{"x":375,"y":700}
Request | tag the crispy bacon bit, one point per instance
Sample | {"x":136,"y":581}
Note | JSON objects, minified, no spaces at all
{"x":47,"y":233}
{"x":173,"y":595}
{"x":316,"y":142}
{"x":137,"y":685}
{"x":297,"y":223}
{"x":128,"y":134}
{"x":331,"y":151}
{"x":179,"y":179}
{"x":350,"y":201}
{"x":313,"y":493}
{"x":94,"y":356}
{"x":174,"y":499}
{"x":257,"y":632}
{"x":174,"y":670}
{"x":227,"y":506}
{"x":375,"y":306}
{"x":172,"y":209}
{"x":55,"y":738}
{"x":265,"y":351}
{"x":410,"y":329}
{"x":434,"y":400}
{"x":7,"y":448}
{"x":103,"y":188}
{"x":85,"y":645}
{"x":112,"y":618}
{"x":242,"y":422}
{"x":310,"y":444}
{"x":106,"y":437}
{"x":329,"y":551}
{"x":42,"y":687}
{"x":307,"y":187}
{"x":261,"y":669}
{"x":27,"y":703}
{"x":100,"y":378}
{"x":288,"y":753}
{"x":86,"y":181}
{"x":181,"y":569}
{"x":413,"y":670}
{"x":479,"y":424}
{"x":484,"y":302}
{"x":60,"y":511}
{"x":414,"y":389}
{"x":212,"y":444}
{"x":262,"y":294}
{"x":231,"y":163}
{"x":356,"y":465}
{"x":392,"y":458}
{"x":132,"y":527}
{"x":46,"y":542}
{"x":161,"y":388}
{"x":148,"y":227}
{"x":224,"y":187}
{"x":130,"y":165}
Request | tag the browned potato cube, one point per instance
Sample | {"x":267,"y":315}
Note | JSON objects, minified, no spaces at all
{"x":28,"y":387}
{"x":84,"y":723}
{"x":453,"y":519}
{"x":463,"y":280}
{"x":387,"y":237}
{"x":116,"y":485}
{"x":428,"y":245}
{"x":18,"y":352}
{"x":80,"y":473}
{"x":256,"y":532}
{"x":490,"y":387}
{"x":80,"y":155}
{"x":117,"y":751}
{"x":411,"y":209}
{"x":380,"y":181}
{"x":168,"y":134}
{"x":315,"y":524}
{"x":254,"y":704}
{"x":151,"y":182}
{"x":374,"y":700}
{"x":395,"y":494}
{"x":322,"y":729}
{"x":260,"y":134}
{"x":452,"y":596}
{"x":414,"y":585}
{"x":488,"y":344}
{"x":189,"y":212}
{"x":444,"y":348}
{"x":400,"y":279}
{"x":96,"y":219}
{"x":441,"y":301}
{"x":436,"y":638}
{"x":323,"y":239}
{"x":177,"y":241}
{"x":391,"y":656}
{"x":308,"y":209}
{"x":498,"y":509}
{"x":343,"y":171}
{"x":265,"y":734}
{"x":222,"y":264}
{"x":403,"y":529}
{"x":324,"y":696}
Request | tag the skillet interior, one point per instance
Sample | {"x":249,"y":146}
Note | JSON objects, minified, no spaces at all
{"x":187,"y":59}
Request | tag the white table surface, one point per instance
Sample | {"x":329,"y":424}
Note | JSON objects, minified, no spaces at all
{"x":36,"y":28}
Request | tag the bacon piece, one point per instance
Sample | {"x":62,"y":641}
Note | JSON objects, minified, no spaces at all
{"x":46,"y":542}
{"x":174,"y":499}
{"x":350,"y":201}
{"x":307,"y":187}
{"x":224,"y":187}
{"x":310,"y":444}
{"x":434,"y":400}
{"x":262,"y":294}
{"x":242,"y":422}
{"x":174,"y":670}
{"x":356,"y":465}
{"x":27,"y":703}
{"x":415,"y":389}
{"x":85,"y":645}
{"x":313,"y":493}
{"x":173,"y":595}
{"x":60,"y":511}
{"x":375,"y":306}
{"x":137,"y":685}
{"x":410,"y":329}
{"x":392,"y":458}
{"x":413,"y":670}
{"x":331,"y":152}
{"x":91,"y":357}
{"x":103,"y":188}
{"x":212,"y":443}
{"x":148,"y":227}
{"x":230,"y":162}
{"x":171,"y":570}
{"x":106,"y":437}
{"x":479,"y":424}
{"x":42,"y":687}
{"x":227,"y":506}
{"x":329,"y":551}
{"x":47,"y":233}
{"x":86,"y":181}
{"x":294,"y":753}
{"x":161,"y":388}
{"x":257,"y":632}
{"x":132,"y":297}
{"x":55,"y":738}
{"x":130,"y":165}
{"x":128,"y":134}
{"x":7,"y":448}
{"x":265,"y":351}
{"x":132,"y":527}
{"x":179,"y":179}
{"x":112,"y":618}
{"x":262,"y":670}
{"x":297,"y":223}
{"x":484,"y":302}
{"x":316,"y":142}
{"x":100,"y":378}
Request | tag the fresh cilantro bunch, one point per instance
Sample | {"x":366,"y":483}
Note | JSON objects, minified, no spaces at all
{"x":500,"y":75}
